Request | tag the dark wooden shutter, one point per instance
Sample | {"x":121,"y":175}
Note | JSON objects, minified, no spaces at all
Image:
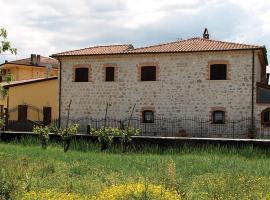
{"x":218,"y":72}
{"x":47,"y":115}
{"x":81,"y":75}
{"x":148,"y":73}
{"x":109,"y":73}
{"x":22,"y":112}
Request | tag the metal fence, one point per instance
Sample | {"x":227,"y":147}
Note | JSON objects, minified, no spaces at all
{"x":181,"y":127}
{"x":162,"y":127}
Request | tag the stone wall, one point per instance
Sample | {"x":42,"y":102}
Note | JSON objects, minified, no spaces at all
{"x":182,"y":89}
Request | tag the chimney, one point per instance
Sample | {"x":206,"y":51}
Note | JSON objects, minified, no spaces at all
{"x":205,"y":34}
{"x":33,"y":59}
{"x":38,"y":60}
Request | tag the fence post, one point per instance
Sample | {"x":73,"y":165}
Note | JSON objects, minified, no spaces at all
{"x":201,"y":128}
{"x":233,"y":128}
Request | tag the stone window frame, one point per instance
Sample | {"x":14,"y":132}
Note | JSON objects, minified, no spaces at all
{"x":213,"y":109}
{"x":147,"y":108}
{"x":263,"y":123}
{"x":146,"y":64}
{"x":228,"y":69}
{"x":74,"y":67}
{"x":261,"y":86}
{"x":116,"y":72}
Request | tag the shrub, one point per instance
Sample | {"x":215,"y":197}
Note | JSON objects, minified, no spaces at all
{"x":67,"y":134}
{"x":43,"y":133}
{"x":106,"y":135}
{"x":125,"y":136}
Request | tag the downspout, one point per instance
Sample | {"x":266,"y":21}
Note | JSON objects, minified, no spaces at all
{"x":59,"y":90}
{"x":252,"y":97}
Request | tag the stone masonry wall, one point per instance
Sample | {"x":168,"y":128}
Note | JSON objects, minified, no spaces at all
{"x":182,"y":89}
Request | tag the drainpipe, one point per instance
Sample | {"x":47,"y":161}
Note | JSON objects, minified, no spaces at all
{"x":252,"y":132}
{"x":60,"y":88}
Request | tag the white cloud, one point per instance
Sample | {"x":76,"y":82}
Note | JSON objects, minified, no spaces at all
{"x":47,"y":26}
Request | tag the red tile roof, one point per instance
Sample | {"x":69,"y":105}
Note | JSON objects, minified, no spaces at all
{"x":97,"y":50}
{"x":189,"y":45}
{"x":44,"y":61}
{"x":194,"y":45}
{"x":23,"y":82}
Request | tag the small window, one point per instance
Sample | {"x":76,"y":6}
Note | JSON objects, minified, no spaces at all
{"x":148,"y":73}
{"x":265,"y":117}
{"x":218,"y":117}
{"x":109,"y":74}
{"x":148,"y":116}
{"x":218,"y":72}
{"x":81,"y":75}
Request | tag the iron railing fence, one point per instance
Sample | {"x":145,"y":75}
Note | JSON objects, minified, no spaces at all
{"x":180,"y":127}
{"x":163,"y":127}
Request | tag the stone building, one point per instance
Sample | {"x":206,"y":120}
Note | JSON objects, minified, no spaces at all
{"x":195,"y":78}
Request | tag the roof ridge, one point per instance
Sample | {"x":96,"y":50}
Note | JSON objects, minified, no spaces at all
{"x":29,"y":58}
{"x":235,"y":43}
{"x":111,"y":45}
{"x":157,"y":45}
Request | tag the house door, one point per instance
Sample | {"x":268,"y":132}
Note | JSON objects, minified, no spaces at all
{"x":22,"y":112}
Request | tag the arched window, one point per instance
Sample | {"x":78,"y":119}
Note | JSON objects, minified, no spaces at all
{"x":148,"y":116}
{"x":218,"y":117}
{"x":265,"y":117}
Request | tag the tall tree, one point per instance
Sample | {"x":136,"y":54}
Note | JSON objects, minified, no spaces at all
{"x":5,"y":44}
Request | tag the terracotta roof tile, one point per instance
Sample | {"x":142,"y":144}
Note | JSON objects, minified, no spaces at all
{"x":189,"y":45}
{"x":97,"y":50}
{"x":21,"y":82}
{"x":194,"y":45}
{"x":44,"y":61}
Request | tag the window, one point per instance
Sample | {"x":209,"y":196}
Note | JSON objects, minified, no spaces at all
{"x":81,"y":75}
{"x":265,"y":117}
{"x":218,"y":72}
{"x":148,"y":73}
{"x":148,"y":116}
{"x":218,"y":117}
{"x":109,"y":74}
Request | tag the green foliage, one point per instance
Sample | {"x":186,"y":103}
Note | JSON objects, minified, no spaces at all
{"x":9,"y":78}
{"x":67,"y":134}
{"x":5,"y":45}
{"x":195,"y":173}
{"x":43,"y":133}
{"x":126,"y":136}
{"x":7,"y":186}
{"x":106,"y":135}
{"x":4,"y":90}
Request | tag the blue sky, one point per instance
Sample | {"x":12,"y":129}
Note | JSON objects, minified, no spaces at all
{"x":45,"y":26}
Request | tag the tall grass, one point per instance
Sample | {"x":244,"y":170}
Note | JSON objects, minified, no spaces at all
{"x":208,"y":172}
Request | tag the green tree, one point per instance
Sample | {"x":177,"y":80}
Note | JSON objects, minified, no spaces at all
{"x":5,"y":47}
{"x":5,"y":44}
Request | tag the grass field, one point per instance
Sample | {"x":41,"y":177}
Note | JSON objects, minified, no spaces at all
{"x":210,"y":173}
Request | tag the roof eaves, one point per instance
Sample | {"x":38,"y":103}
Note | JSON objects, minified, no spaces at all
{"x":30,"y":82}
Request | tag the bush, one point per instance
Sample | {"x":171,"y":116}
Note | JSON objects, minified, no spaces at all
{"x":43,"y":133}
{"x":106,"y":135}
